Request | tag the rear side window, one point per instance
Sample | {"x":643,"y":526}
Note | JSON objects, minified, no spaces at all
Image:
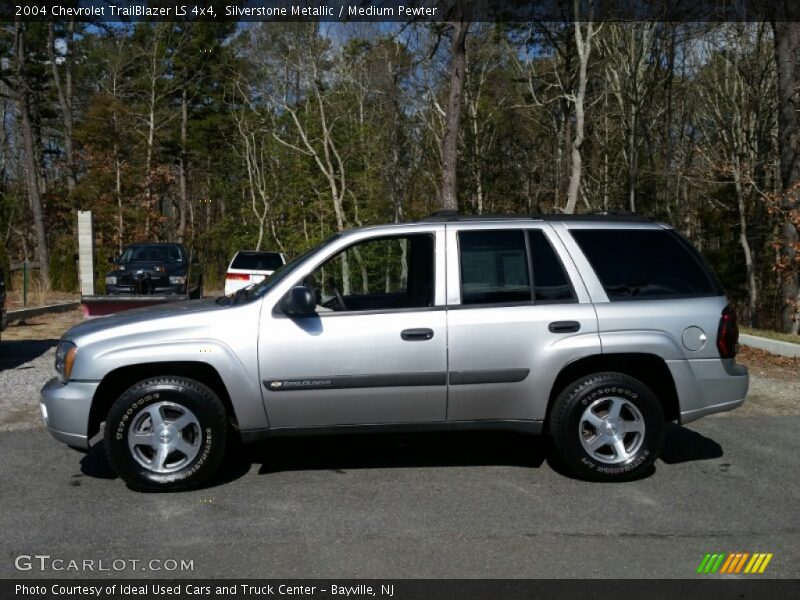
{"x":646,"y":263}
{"x":550,"y":283}
{"x":257,"y":261}
{"x":494,"y":267}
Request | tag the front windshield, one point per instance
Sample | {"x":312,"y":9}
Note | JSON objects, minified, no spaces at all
{"x":151,"y":254}
{"x":265,"y":285}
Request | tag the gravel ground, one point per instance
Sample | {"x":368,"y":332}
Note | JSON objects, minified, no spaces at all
{"x":27,"y":353}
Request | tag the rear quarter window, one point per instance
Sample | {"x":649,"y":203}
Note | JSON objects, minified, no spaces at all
{"x":640,"y":264}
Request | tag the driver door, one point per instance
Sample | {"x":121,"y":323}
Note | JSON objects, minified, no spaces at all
{"x":375,"y":351}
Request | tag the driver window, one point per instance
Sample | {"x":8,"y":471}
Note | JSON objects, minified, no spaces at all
{"x":377,"y":274}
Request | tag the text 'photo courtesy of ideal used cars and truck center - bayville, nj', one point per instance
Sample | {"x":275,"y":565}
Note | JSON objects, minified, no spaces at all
{"x":399,"y":299}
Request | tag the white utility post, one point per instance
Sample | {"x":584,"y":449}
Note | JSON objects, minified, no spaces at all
{"x":86,"y":252}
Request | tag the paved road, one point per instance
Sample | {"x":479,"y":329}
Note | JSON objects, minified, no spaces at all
{"x":466,"y":505}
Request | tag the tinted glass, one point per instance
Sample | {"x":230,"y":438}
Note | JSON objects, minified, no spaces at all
{"x":550,"y":282}
{"x":148,"y":253}
{"x":494,"y":267}
{"x":634,"y":264}
{"x":257,"y":261}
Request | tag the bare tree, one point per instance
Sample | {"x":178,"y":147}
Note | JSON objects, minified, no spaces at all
{"x":260,"y":170}
{"x":64,"y":92}
{"x":157,"y":88}
{"x":481,"y":115}
{"x":736,"y":105}
{"x":455,"y":95}
{"x":628,"y":48}
{"x":584,"y":32}
{"x":24,"y":98}
{"x":786,"y":29}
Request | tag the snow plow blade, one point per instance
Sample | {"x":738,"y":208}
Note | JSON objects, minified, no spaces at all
{"x":100,"y":306}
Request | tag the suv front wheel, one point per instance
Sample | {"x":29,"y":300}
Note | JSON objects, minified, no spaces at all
{"x":607,"y":427}
{"x":166,"y":433}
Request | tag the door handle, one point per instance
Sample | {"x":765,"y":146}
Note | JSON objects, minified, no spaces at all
{"x":413,"y":335}
{"x":564,"y":326}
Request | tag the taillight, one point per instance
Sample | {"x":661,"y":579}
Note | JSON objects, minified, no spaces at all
{"x":237,"y":277}
{"x":728,"y":333}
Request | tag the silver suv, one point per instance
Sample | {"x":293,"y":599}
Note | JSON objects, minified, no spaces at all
{"x":595,"y":330}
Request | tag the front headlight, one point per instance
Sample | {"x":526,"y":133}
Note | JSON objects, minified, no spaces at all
{"x":65,"y":359}
{"x":111,"y":280}
{"x":177,"y":279}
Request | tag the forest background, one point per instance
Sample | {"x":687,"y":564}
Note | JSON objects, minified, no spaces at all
{"x":272,"y":136}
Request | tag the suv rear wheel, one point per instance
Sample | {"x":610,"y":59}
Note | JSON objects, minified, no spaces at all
{"x":607,"y":427}
{"x":166,"y":433}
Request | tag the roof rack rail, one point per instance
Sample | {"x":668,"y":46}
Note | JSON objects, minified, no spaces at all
{"x":616,"y":213}
{"x":450,"y":215}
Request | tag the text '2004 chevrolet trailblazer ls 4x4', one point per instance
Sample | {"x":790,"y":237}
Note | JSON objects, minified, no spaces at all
{"x":596,"y":330}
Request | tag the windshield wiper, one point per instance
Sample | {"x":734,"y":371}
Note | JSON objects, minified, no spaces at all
{"x":232,"y":298}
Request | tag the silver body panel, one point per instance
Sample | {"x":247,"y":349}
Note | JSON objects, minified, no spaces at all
{"x":493,"y":363}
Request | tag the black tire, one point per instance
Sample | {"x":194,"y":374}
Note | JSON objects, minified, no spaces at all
{"x":198,"y":291}
{"x":171,"y":399}
{"x":580,"y":432}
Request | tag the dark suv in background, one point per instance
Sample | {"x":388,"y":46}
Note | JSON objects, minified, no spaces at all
{"x":155,"y":268}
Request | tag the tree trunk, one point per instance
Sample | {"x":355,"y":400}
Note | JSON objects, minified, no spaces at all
{"x":584,"y":48}
{"x":183,"y":167}
{"x":151,"y":134}
{"x":787,"y":58}
{"x":64,"y":91}
{"x":118,"y":192}
{"x":458,"y":62}
{"x":31,"y":167}
{"x":752,"y":288}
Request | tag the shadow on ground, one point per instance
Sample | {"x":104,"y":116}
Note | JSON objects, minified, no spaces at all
{"x":684,"y":445}
{"x":370,"y":451}
{"x":342,"y":453}
{"x":95,"y":464}
{"x":14,"y":353}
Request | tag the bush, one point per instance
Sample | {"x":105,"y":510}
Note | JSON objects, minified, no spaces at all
{"x":64,"y":265}
{"x":5,"y":267}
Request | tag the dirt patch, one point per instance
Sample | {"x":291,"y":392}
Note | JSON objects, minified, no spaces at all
{"x":763,"y":364}
{"x":14,"y":299}
{"x":44,"y":327}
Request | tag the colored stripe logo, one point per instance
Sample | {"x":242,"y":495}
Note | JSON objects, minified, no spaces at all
{"x":735,"y":563}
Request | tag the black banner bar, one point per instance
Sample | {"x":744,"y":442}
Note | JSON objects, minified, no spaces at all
{"x":400,"y":10}
{"x":402,"y":589}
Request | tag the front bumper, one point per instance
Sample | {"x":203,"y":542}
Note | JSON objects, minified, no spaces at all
{"x":708,"y":386}
{"x":65,"y":410}
{"x":114,"y":290}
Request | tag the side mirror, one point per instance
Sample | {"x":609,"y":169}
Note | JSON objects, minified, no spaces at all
{"x":299,"y":302}
{"x":112,"y":260}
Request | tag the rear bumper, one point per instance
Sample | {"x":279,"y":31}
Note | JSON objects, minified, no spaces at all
{"x":708,"y":386}
{"x":65,"y":410}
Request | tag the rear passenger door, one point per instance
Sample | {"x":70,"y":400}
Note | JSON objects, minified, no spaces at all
{"x":517,"y":312}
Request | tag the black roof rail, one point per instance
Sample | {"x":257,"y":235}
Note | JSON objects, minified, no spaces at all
{"x":613,"y":215}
